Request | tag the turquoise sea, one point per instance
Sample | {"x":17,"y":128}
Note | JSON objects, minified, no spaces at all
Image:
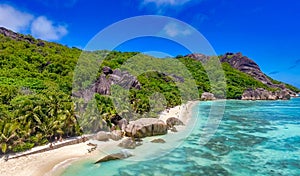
{"x":253,"y":138}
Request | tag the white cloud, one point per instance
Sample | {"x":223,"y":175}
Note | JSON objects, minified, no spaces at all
{"x":14,"y":19}
{"x":43,"y":28}
{"x":39,"y":27}
{"x":174,"y":30}
{"x":166,"y":2}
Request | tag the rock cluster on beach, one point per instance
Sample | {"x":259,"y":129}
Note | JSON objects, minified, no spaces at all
{"x":262,"y":94}
{"x":135,"y":130}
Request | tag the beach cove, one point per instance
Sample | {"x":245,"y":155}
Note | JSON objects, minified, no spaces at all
{"x":53,"y":162}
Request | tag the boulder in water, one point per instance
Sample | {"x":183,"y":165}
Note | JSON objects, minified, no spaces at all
{"x":116,"y":156}
{"x":128,"y":144}
{"x":158,"y":141}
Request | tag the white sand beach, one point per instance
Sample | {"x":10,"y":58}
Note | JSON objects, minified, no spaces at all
{"x":41,"y":163}
{"x":45,"y":163}
{"x":182,"y":112}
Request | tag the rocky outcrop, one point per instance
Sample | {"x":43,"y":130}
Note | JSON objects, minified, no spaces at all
{"x":207,"y":96}
{"x":199,"y":57}
{"x":116,"y":156}
{"x":146,"y":127}
{"x":172,"y":121}
{"x":104,"y":82}
{"x":246,"y":65}
{"x":262,"y":94}
{"x":18,"y":37}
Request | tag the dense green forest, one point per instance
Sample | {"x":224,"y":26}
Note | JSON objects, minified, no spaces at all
{"x":36,"y":83}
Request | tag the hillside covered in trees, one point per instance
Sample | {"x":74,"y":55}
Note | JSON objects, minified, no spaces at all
{"x":37,"y":86}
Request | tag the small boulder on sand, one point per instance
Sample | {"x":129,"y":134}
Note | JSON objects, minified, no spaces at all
{"x":102,"y":136}
{"x":172,"y":121}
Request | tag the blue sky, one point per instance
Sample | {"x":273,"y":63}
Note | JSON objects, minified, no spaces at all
{"x":265,"y":31}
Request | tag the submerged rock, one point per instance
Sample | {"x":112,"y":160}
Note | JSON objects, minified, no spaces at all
{"x":158,"y":141}
{"x":116,"y":156}
{"x":128,"y":144}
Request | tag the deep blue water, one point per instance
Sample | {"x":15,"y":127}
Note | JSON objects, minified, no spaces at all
{"x":253,"y":138}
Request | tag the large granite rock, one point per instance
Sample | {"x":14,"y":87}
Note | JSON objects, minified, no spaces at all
{"x":262,"y":94}
{"x":207,"y":96}
{"x":146,"y":127}
{"x":172,"y":121}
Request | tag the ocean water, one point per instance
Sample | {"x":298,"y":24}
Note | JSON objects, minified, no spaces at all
{"x":253,"y":138}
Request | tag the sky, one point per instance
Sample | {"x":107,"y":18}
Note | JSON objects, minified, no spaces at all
{"x":265,"y":31}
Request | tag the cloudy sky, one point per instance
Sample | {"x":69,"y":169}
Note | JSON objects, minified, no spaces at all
{"x":265,"y":31}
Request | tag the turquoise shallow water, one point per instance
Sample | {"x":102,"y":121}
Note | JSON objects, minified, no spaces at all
{"x":253,"y":138}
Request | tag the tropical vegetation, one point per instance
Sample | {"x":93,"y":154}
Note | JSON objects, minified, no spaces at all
{"x":36,"y":84}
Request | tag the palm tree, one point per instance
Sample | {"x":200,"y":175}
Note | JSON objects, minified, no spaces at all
{"x":8,"y":130}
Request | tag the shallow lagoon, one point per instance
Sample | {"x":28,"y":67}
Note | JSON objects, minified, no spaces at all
{"x":253,"y":138}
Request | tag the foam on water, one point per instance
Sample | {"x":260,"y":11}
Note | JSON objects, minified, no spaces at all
{"x":253,"y":138}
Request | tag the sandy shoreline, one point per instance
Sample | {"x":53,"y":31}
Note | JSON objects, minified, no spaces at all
{"x":48,"y":162}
